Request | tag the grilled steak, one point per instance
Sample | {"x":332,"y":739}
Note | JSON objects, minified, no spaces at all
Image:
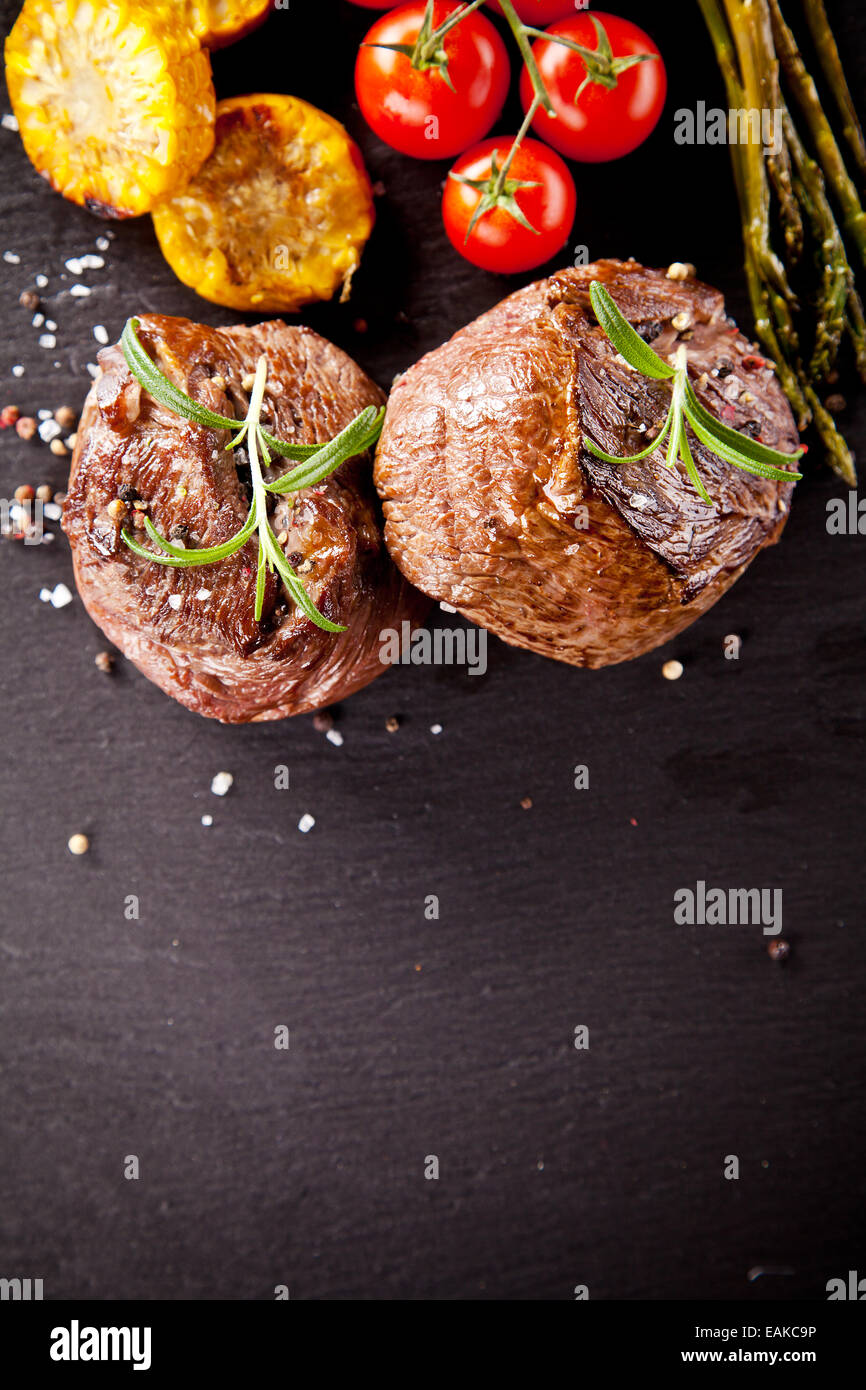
{"x":193,"y":631}
{"x":492,"y":504}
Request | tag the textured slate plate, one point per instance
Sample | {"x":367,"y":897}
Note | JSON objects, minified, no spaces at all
{"x":409,"y":1037}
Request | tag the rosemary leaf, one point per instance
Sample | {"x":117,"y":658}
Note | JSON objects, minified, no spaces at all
{"x":159,"y":559}
{"x":631,"y":458}
{"x":209,"y":554}
{"x":295,"y":587}
{"x":363,"y":431}
{"x":748,"y":448}
{"x":627,"y":343}
{"x":688,"y":460}
{"x":732,"y":456}
{"x":261,"y":577}
{"x":157,"y":384}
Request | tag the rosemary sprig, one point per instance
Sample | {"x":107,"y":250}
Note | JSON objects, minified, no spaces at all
{"x":157,"y":385}
{"x":314,"y":463}
{"x":727,"y":444}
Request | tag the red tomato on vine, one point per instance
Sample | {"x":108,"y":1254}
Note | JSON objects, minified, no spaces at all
{"x":529,"y":221}
{"x":431,"y":97}
{"x":607,"y":85}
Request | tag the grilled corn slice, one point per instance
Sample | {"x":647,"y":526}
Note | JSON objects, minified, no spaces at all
{"x":279,"y":213}
{"x":114,"y":101}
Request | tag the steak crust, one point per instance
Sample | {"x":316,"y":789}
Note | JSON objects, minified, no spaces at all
{"x":193,"y":631}
{"x":492,"y":504}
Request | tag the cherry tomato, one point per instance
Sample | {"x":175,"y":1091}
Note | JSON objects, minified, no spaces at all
{"x":538,"y":13}
{"x":603,"y":122}
{"x":498,"y":241}
{"x":415,"y":110}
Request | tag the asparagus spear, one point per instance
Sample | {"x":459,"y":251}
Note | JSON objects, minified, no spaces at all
{"x":769,"y":291}
{"x":836,"y":277}
{"x":855,"y":326}
{"x":809,"y":102}
{"x":749,"y":42}
{"x":828,"y":56}
{"x":778,"y":164}
{"x":838,"y":452}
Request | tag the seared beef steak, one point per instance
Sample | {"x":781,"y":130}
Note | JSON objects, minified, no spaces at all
{"x":492,"y":505}
{"x":193,"y":631}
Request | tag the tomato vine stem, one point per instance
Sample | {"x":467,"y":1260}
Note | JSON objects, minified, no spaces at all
{"x":498,"y":191}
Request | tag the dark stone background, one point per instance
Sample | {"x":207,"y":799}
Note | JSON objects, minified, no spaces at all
{"x":409,"y":1037}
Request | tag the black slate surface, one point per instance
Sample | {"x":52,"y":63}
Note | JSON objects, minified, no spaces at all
{"x":412,"y":1037}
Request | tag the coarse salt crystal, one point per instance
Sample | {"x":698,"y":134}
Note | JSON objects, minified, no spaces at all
{"x":45,"y":595}
{"x":102,"y":243}
{"x":334,"y":736}
{"x":203,"y":594}
{"x":12,"y":257}
{"x":41,"y":282}
{"x":221,"y":783}
{"x":91,"y":262}
{"x":47,"y":340}
{"x":48,"y":430}
{"x":207,"y":820}
{"x":18,"y":370}
{"x":8,"y":121}
{"x":93,"y":369}
{"x":100,"y":333}
{"x":447,"y":608}
{"x":60,"y":596}
{"x":38,"y":320}
{"x":52,"y":511}
{"x":306,"y":823}
{"x":174,"y":601}
{"x":44,"y":414}
{"x":80,"y":291}
{"x":50,"y":325}
{"x":435,"y":728}
{"x":74,"y":264}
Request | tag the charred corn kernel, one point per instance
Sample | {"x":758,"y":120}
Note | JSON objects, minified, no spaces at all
{"x":115,"y":102}
{"x":279,"y":213}
{"x":218,"y":22}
